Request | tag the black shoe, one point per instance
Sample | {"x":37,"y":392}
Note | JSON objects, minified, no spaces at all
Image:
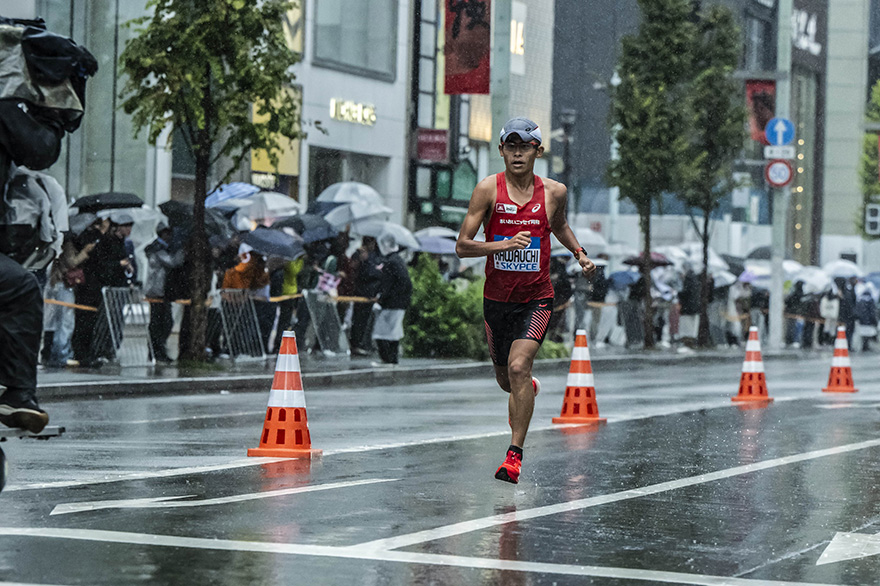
{"x":24,"y":415}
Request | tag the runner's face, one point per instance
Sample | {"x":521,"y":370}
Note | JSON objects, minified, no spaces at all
{"x":519,"y":156}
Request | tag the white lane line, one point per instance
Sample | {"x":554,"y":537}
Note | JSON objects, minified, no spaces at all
{"x":189,"y":418}
{"x":390,"y":556}
{"x":173,"y":502}
{"x":495,"y":520}
{"x":172,"y":472}
{"x":169,"y":473}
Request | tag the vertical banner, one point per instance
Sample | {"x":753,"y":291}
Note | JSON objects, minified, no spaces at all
{"x":761,"y":102}
{"x":468,"y":46}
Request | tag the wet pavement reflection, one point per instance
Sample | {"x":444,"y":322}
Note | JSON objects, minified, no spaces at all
{"x":680,"y":486}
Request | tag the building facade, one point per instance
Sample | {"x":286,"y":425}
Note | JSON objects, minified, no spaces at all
{"x":455,"y":137}
{"x":355,"y":97}
{"x":584,"y":65}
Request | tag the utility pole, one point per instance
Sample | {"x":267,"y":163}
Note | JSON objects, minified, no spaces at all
{"x":567,"y":118}
{"x":782,"y":195}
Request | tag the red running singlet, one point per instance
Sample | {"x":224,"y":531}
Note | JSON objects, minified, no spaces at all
{"x":519,"y":276}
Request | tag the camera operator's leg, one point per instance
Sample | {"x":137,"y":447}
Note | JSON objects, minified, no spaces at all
{"x":21,"y":319}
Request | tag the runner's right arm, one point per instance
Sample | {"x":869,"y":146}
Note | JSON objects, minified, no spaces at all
{"x":479,"y":207}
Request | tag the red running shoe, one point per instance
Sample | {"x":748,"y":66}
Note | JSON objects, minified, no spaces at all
{"x":509,"y":470}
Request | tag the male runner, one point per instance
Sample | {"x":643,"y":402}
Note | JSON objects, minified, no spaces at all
{"x":518,"y":210}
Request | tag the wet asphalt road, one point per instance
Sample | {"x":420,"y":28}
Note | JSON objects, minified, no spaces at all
{"x":681,"y":486}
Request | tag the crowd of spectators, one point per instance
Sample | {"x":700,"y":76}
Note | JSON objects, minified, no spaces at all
{"x":370,"y":276}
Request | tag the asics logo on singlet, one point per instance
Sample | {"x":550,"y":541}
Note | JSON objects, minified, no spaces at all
{"x":505,"y":208}
{"x":518,"y":222}
{"x":536,"y":208}
{"x":527,"y":260}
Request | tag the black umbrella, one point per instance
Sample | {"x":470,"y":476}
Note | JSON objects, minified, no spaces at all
{"x":180,"y":215}
{"x":760,"y":253}
{"x":311,"y":227}
{"x":106,"y":201}
{"x":657,"y":260}
{"x":275,"y":243}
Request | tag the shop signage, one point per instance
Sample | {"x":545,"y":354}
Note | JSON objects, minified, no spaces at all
{"x":433,"y":145}
{"x":805,"y":32}
{"x":354,"y":112}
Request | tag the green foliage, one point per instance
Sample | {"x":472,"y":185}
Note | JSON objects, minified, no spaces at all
{"x":868,"y":170}
{"x":649,"y":107}
{"x":220,"y":72}
{"x":649,"y":111}
{"x":551,"y":349}
{"x":200,"y":66}
{"x":443,"y":321}
{"x":718,"y":117}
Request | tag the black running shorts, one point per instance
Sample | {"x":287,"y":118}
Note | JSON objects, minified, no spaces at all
{"x":506,"y":322}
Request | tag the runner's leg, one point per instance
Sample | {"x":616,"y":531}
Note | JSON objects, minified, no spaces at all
{"x":521,"y":402}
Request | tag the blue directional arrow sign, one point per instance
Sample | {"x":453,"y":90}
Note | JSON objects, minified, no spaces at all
{"x":779,"y":131}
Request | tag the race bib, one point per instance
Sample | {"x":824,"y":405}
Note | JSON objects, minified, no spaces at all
{"x":527,"y":260}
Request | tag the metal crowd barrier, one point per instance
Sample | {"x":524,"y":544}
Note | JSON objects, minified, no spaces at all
{"x":325,"y":320}
{"x":122,"y":334}
{"x":241,"y":330}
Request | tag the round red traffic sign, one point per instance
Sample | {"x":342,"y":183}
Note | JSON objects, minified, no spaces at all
{"x":778,"y":173}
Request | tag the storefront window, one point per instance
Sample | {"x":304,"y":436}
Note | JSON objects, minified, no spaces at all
{"x":356,"y":36}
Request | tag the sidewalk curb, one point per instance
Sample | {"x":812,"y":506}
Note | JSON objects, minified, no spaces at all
{"x":365,"y":377}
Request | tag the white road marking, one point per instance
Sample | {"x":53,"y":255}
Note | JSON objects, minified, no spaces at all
{"x":849,"y":546}
{"x":390,"y":556}
{"x":189,"y":418}
{"x":495,"y":520}
{"x":659,"y":411}
{"x":173,"y":502}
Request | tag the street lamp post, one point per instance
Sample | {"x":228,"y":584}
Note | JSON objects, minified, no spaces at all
{"x":567,"y":118}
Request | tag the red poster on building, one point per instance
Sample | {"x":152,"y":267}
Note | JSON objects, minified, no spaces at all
{"x":761,"y":102}
{"x":468,"y":42}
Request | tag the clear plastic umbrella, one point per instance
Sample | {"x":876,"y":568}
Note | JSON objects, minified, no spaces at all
{"x":356,"y":212}
{"x":401,"y":235}
{"x":349,"y":192}
{"x":815,"y":280}
{"x":842,"y":268}
{"x":437,"y":232}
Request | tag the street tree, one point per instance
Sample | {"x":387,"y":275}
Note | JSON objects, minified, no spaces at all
{"x":220,"y":73}
{"x":648,"y":111}
{"x":869,"y":169}
{"x":716,"y":130}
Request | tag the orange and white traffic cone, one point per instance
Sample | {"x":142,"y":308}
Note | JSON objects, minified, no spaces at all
{"x":840,"y":380}
{"x":579,"y":405}
{"x":752,"y":383}
{"x":286,"y":428}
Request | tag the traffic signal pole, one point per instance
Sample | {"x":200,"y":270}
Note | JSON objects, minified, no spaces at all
{"x":782,"y":195}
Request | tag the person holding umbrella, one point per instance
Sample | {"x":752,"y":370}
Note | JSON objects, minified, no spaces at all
{"x":394,"y":297}
{"x":161,"y":260}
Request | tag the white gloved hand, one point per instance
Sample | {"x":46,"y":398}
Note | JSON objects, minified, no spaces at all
{"x":377,"y":307}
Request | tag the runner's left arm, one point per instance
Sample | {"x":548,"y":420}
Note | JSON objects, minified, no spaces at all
{"x":560,"y":228}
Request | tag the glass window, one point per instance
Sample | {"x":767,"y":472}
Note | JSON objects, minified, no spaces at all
{"x":444,"y":184}
{"x":757,"y":48}
{"x":426,"y":111}
{"x":426,"y":75}
{"x":423,"y":182}
{"x":357,"y":36}
{"x":428,"y":40}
